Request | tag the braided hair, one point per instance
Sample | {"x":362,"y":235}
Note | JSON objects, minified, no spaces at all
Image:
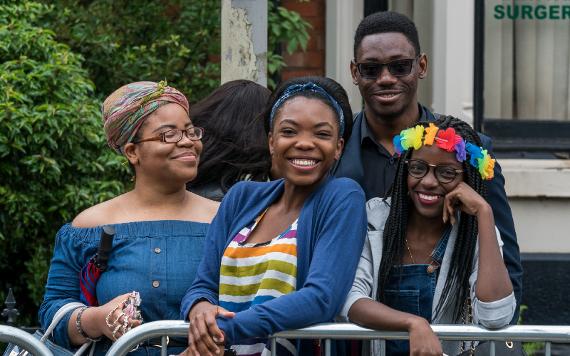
{"x":457,"y":283}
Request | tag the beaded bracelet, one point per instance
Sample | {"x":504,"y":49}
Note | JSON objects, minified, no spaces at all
{"x":79,"y":328}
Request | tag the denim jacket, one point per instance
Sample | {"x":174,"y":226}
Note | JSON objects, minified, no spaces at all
{"x":156,"y":258}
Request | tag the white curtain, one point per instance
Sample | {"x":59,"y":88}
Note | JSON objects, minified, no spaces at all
{"x":526,"y":65}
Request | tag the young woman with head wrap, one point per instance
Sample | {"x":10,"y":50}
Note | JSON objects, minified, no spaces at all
{"x":433,"y":253}
{"x":160,"y":226}
{"x":282,"y":254}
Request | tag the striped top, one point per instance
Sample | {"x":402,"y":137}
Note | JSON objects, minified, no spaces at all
{"x":252,"y":274}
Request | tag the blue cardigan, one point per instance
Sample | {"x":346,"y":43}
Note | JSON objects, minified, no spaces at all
{"x":330,"y":236}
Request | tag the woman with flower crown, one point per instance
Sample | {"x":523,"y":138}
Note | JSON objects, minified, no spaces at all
{"x":433,"y":253}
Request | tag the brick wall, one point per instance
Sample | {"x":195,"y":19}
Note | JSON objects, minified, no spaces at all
{"x":312,"y":61}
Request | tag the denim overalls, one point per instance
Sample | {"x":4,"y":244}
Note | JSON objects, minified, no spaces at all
{"x":410,"y":289}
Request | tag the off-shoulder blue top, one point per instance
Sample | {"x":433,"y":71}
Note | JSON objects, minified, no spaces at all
{"x":156,"y":258}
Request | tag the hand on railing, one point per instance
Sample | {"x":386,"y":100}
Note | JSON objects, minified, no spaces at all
{"x":204,"y":336}
{"x":423,"y":341}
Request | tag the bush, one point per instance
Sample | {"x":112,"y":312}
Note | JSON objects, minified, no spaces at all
{"x":124,"y":41}
{"x":131,"y":40}
{"x":53,"y":157}
{"x":58,"y":60}
{"x":288,"y":30}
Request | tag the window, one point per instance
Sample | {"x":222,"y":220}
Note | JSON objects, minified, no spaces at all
{"x":522,"y":74}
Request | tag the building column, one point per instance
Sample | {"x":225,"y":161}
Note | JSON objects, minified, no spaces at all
{"x":342,"y":19}
{"x":453,"y":54}
{"x":244,"y":40}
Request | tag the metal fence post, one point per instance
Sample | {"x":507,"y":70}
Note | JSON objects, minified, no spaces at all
{"x":10,"y":312}
{"x":274,"y":346}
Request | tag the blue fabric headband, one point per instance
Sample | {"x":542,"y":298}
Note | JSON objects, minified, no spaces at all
{"x":310,"y":86}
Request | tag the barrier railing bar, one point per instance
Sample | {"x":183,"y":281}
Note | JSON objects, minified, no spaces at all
{"x":382,"y":347}
{"x":547,"y":349}
{"x":173,"y":328}
{"x":552,"y":333}
{"x":24,"y":340}
{"x":328,"y":347}
{"x":150,"y":330}
{"x":164,"y":345}
{"x":273,"y":346}
{"x":492,"y":348}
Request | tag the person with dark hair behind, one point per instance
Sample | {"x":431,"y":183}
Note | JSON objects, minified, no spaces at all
{"x":282,"y":254}
{"x":433,"y":253}
{"x":387,"y":66}
{"x":235,"y":147}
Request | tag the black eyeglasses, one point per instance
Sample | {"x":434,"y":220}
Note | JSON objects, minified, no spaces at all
{"x":175,"y":135}
{"x":443,"y":173}
{"x":398,"y":68}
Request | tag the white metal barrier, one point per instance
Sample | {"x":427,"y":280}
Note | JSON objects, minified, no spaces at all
{"x":154,"y":329}
{"x":9,"y":334}
{"x":328,"y":332}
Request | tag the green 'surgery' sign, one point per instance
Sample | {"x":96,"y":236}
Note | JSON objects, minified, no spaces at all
{"x":532,"y":12}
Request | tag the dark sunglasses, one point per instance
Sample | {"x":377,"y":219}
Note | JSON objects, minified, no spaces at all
{"x":443,"y":173}
{"x":398,"y":68}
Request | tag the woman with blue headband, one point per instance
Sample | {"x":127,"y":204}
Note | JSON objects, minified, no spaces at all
{"x":282,"y":254}
{"x":433,"y":253}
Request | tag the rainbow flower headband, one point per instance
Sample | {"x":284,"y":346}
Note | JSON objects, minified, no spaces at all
{"x":449,"y":141}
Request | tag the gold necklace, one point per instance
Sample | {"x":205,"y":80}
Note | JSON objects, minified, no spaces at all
{"x":433,"y":264}
{"x":410,"y":252}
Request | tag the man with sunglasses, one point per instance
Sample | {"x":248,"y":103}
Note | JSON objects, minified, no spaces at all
{"x":386,"y":67}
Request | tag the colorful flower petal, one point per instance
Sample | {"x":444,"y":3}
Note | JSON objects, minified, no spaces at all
{"x":460,"y":153}
{"x":417,"y":136}
{"x":397,"y":140}
{"x":474,"y":152}
{"x":446,"y":139}
{"x":431,"y":130}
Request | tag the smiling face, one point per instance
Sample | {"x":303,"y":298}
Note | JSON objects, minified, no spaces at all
{"x":166,"y":162}
{"x":388,"y":96}
{"x":304,"y":141}
{"x":427,"y":193}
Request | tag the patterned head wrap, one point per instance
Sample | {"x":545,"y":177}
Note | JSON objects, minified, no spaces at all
{"x":125,"y":110}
